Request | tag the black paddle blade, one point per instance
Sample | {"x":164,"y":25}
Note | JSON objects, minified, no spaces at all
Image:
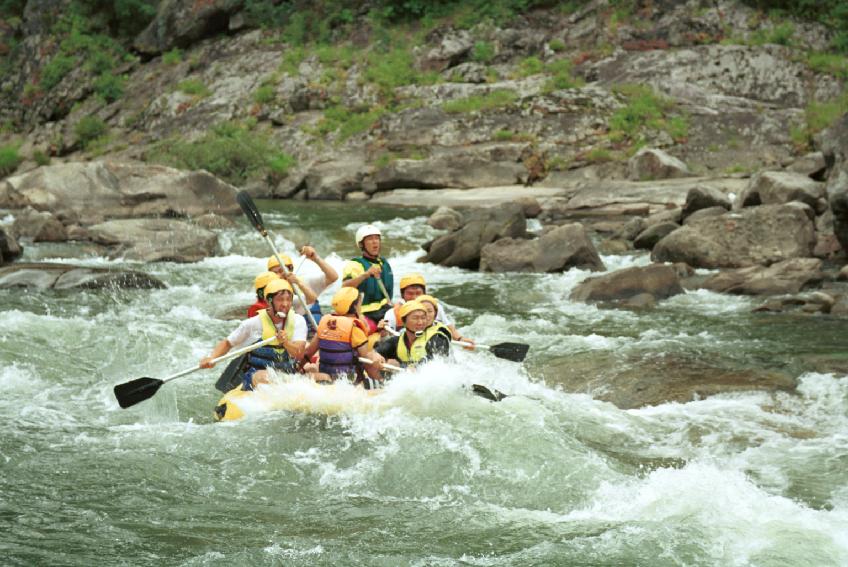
{"x":231,"y":376}
{"x":135,"y":391}
{"x":515,"y":352}
{"x":250,"y":211}
{"x":484,"y":392}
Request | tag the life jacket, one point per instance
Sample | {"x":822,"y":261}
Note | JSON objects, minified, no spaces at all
{"x":418,"y":350}
{"x":337,"y":353}
{"x":273,"y":355}
{"x":374,"y":298}
{"x":254,"y":309}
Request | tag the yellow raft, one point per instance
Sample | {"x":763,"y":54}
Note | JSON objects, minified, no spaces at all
{"x":298,"y":394}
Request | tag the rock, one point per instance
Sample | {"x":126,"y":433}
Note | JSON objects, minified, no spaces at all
{"x":9,"y":247}
{"x":813,"y":302}
{"x":705,"y":213}
{"x":658,"y":280}
{"x":334,"y":180}
{"x":469,"y":72}
{"x":157,"y":240}
{"x":703,"y":197}
{"x":211,"y":221}
{"x":755,"y":235}
{"x":448,"y":171}
{"x":639,"y":301}
{"x":39,"y":226}
{"x":445,"y":218}
{"x":778,"y":187}
{"x":357,"y":197}
{"x":787,"y":276}
{"x":68,"y":276}
{"x":462,"y":248}
{"x":557,"y":250}
{"x":452,"y":48}
{"x":649,"y":163}
{"x":179,"y":23}
{"x":835,"y":149}
{"x":812,"y":165}
{"x":90,"y":192}
{"x":532,"y":208}
{"x":843,"y":274}
{"x":648,"y":238}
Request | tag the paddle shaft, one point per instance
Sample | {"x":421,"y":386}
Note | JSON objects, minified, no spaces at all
{"x":460,"y":343}
{"x":286,"y":271}
{"x":391,"y":367}
{"x":227,"y":356}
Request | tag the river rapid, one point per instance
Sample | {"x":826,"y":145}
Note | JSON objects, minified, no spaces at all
{"x":430,"y":475}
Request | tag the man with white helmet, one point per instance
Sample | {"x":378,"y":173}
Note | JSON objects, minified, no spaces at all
{"x":371,"y":275}
{"x":277,"y":320}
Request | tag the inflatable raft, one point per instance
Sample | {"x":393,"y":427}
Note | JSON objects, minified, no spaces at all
{"x":298,"y":394}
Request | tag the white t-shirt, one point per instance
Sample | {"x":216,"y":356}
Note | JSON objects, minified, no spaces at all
{"x":250,"y":330}
{"x":318,"y":283}
{"x":390,"y":318}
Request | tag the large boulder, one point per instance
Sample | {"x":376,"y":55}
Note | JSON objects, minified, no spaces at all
{"x":657,"y":280}
{"x":335,"y":180}
{"x":788,"y":276}
{"x":445,"y":218}
{"x":778,"y":187}
{"x":448,"y":171}
{"x":39,"y":226}
{"x":649,"y":237}
{"x":156,"y":240}
{"x":462,"y":248}
{"x":835,"y":149}
{"x":755,"y":235}
{"x":91,"y":192}
{"x":67,"y":276}
{"x":650,"y":163}
{"x":704,"y":197}
{"x":557,"y":250}
{"x":179,"y":23}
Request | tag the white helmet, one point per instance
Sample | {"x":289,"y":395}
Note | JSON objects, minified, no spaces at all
{"x":367,"y":230}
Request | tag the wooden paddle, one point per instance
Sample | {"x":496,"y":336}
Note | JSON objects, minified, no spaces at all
{"x":252,"y":213}
{"x":135,"y":391}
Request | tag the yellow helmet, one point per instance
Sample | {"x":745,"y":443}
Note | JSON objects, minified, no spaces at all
{"x":264,"y":279}
{"x":343,"y":299}
{"x":409,"y":307}
{"x":276,"y":286}
{"x":412,"y":279}
{"x":273,"y":263}
{"x":428,"y":298}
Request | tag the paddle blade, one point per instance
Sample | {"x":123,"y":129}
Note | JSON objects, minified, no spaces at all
{"x":231,"y":376}
{"x":515,"y":352}
{"x":484,"y":392}
{"x":135,"y":391}
{"x":250,"y":211}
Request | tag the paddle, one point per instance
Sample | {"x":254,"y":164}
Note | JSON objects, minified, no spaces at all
{"x":135,"y":391}
{"x":516,"y":352}
{"x":252,"y":213}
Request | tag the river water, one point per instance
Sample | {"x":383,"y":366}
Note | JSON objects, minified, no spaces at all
{"x":431,"y":475}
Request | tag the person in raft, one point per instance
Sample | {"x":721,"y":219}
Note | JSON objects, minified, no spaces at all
{"x":371,"y":275}
{"x":316,"y":283}
{"x":413,"y":286}
{"x":259,"y":284}
{"x":418,"y":342}
{"x":341,"y":339}
{"x":279,"y":320}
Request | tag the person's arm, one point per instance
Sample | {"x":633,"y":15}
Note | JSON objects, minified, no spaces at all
{"x":308,"y":294}
{"x":330,"y":274}
{"x":353,"y":279}
{"x":311,"y":348}
{"x":296,"y":344}
{"x":220,"y":349}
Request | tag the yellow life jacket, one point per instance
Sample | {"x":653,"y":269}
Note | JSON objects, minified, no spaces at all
{"x":269,"y":330}
{"x":418,"y":351}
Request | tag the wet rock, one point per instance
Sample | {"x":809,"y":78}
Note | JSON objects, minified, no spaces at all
{"x":755,"y":235}
{"x":778,"y":187}
{"x":557,"y":250}
{"x":39,"y":226}
{"x":462,"y":248}
{"x":68,"y":276}
{"x":445,"y":218}
{"x":650,"y":163}
{"x":788,"y":276}
{"x":9,"y":247}
{"x":92,"y":191}
{"x":211,"y":221}
{"x":658,"y":280}
{"x":813,"y":302}
{"x":703,"y":197}
{"x":156,"y":240}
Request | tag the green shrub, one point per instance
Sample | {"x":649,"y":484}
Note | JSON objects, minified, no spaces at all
{"x":264,"y":94}
{"x":530,"y":66}
{"x":41,"y":158}
{"x":291,"y":60}
{"x":109,"y":87}
{"x":483,"y":52}
{"x":503,"y":136}
{"x":89,"y":129}
{"x":561,"y":76}
{"x":173,"y":57}
{"x":348,"y":122}
{"x":556,"y":45}
{"x":394,"y":68}
{"x":194,"y":87}
{"x":56,"y":69}
{"x":494,"y":99}
{"x":9,"y":159}
{"x":230,"y":150}
{"x":830,"y":63}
